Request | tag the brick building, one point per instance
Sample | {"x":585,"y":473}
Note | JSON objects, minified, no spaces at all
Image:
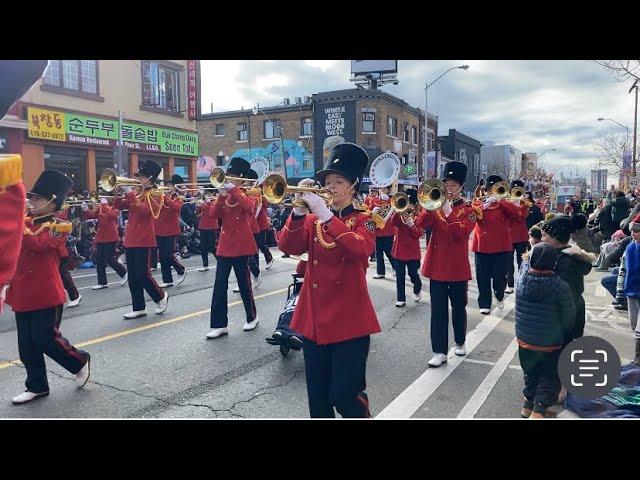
{"x":376,"y":120}
{"x":69,"y":119}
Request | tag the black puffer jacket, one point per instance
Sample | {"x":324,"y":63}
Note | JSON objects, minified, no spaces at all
{"x":620,"y":208}
{"x":545,"y":310}
{"x":605,"y":222}
{"x":534,"y":216}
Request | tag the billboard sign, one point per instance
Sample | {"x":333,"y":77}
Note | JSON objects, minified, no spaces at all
{"x":362,"y":67}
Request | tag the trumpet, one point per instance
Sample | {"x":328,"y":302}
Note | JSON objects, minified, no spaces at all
{"x":275,"y":189}
{"x":431,"y":194}
{"x":109,"y":181}
{"x":219,"y":177}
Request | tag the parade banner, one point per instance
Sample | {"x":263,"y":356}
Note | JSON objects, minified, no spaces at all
{"x":77,"y":128}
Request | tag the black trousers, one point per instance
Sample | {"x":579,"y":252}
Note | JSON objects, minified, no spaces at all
{"x":261,"y":241}
{"x":219,"y":308}
{"x":208,"y":244}
{"x":154,"y":257}
{"x":67,"y":281}
{"x":412,"y":266}
{"x":541,"y":382}
{"x":491,"y":268}
{"x":167,"y":249}
{"x":441,"y":294}
{"x":140,"y":279}
{"x":39,"y":335}
{"x":384,"y":246}
{"x":519,"y":248}
{"x":578,"y":326}
{"x":106,"y":255}
{"x":336,"y":378}
{"x":254,"y":260}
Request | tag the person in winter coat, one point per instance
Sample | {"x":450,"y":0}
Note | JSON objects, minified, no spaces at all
{"x":605,"y":221}
{"x":632,"y":283}
{"x":581,"y":237}
{"x":620,"y":208}
{"x":572,"y":264}
{"x":535,"y":214}
{"x":545,"y":313}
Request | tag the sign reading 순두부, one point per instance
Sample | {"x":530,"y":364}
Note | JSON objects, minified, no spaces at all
{"x":75,"y":128}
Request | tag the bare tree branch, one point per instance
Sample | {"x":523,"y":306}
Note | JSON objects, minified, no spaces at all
{"x":610,"y":149}
{"x":622,"y":70}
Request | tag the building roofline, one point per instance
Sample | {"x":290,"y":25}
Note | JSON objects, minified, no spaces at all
{"x":241,"y":113}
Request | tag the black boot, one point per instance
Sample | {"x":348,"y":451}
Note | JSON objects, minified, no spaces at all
{"x":636,"y":360}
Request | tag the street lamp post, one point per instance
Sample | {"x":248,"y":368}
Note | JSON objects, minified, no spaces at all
{"x":426,"y":107}
{"x":635,"y":125}
{"x":257,"y":109}
{"x":626,"y":142}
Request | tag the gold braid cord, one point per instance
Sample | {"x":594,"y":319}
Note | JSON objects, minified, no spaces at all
{"x":323,"y":243}
{"x":156,"y":214}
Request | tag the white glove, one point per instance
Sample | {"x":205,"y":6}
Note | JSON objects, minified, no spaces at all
{"x":446,"y":208}
{"x":488,"y":202}
{"x":307,"y":182}
{"x":516,"y":202}
{"x":384,"y":197}
{"x":103,"y":201}
{"x":84,"y":206}
{"x":199,"y":203}
{"x":300,"y":211}
{"x":228,"y":186}
{"x":317,"y":206}
{"x":376,"y":210}
{"x":409,"y":222}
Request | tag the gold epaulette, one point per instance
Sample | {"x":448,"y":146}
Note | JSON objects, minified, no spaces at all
{"x":61,"y":226}
{"x":10,"y":170}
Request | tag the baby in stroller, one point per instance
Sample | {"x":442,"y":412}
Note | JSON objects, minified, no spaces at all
{"x":284,"y":337}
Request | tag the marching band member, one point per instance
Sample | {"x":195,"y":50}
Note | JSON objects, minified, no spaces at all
{"x":406,"y":250}
{"x":140,"y":238}
{"x":519,"y":234}
{"x":38,"y":316}
{"x":106,"y":240}
{"x":209,"y":226}
{"x":167,"y":228}
{"x":12,"y":208}
{"x":334,"y":313}
{"x":64,"y":268}
{"x":493,"y":246}
{"x":264,"y":224}
{"x":384,"y":236}
{"x":235,"y":248}
{"x":446,"y":263}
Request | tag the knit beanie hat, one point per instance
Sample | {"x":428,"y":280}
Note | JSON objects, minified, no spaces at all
{"x":535,"y":232}
{"x":560,"y":227}
{"x":542,"y":257}
{"x":580,"y":221}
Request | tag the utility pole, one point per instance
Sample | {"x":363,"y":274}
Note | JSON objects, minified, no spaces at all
{"x":635,"y":126}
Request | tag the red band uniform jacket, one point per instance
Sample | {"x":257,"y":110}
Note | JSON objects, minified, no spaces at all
{"x":447,"y":255}
{"x":518,"y":224}
{"x":12,"y":203}
{"x":236,"y":238}
{"x":334,"y":303}
{"x":491,"y":234}
{"x":36,"y":284}
{"x":140,"y":231}
{"x":253,"y":221}
{"x":263,"y":217}
{"x":406,"y":244}
{"x":107,"y":216}
{"x":208,"y":218}
{"x":389,"y":230}
{"x":168,"y":222}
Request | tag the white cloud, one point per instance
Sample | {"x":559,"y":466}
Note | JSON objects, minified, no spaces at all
{"x":534,"y":105}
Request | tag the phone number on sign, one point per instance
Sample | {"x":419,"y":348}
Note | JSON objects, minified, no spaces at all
{"x":47,"y":135}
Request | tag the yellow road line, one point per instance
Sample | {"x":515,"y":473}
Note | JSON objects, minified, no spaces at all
{"x":123,"y":333}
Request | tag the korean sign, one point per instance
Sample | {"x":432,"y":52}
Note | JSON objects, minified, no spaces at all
{"x":76,"y":128}
{"x":192,"y":89}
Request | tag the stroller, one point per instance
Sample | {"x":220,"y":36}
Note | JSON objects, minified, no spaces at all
{"x":284,"y":337}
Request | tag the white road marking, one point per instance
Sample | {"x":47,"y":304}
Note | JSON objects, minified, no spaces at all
{"x":484,"y":389}
{"x":410,"y":400}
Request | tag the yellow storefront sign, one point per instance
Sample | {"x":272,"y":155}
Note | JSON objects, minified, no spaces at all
{"x":46,"y":124}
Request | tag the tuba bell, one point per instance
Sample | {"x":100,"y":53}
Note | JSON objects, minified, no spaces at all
{"x":431,"y":194}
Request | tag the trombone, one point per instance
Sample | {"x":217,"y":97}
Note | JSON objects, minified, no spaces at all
{"x":517,"y":193}
{"x":499,"y":190}
{"x":275,"y":189}
{"x":400,"y":202}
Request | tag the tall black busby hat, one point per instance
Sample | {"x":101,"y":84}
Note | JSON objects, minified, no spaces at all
{"x":50,"y":183}
{"x":491,"y":181}
{"x":149,"y":169}
{"x":516,"y":183}
{"x":412,"y":193}
{"x":455,"y":171}
{"x":346,"y":159}
{"x":175,"y":178}
{"x":238,"y":167}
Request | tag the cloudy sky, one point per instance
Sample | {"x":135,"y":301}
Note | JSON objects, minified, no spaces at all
{"x":531,"y":104}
